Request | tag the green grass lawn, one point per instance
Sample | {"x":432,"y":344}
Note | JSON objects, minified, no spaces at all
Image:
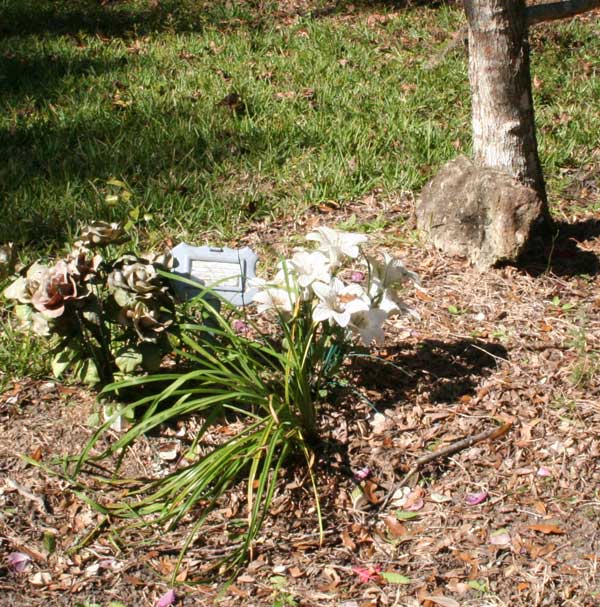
{"x":213,"y":115}
{"x":321,"y":110}
{"x":196,"y":116}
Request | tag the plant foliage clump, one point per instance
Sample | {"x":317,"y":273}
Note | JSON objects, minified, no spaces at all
{"x":267,"y":377}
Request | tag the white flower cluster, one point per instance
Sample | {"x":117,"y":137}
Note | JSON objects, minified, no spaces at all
{"x":361,"y":302}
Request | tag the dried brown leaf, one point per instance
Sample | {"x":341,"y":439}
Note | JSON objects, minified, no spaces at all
{"x":396,"y":528}
{"x":37,"y":455}
{"x":547,"y":528}
{"x":444,"y":601}
{"x":369,"y":489}
{"x":295,"y":572}
{"x":347,"y":540}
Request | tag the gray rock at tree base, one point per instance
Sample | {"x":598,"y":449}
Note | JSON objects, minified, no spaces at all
{"x":479,"y":213}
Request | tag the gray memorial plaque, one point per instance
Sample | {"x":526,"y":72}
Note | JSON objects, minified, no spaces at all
{"x":226,"y":271}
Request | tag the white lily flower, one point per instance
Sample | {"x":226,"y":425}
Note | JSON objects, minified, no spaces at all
{"x":369,"y":325}
{"x":336,"y":244}
{"x":282,"y":280}
{"x":338,"y":301}
{"x":289,"y":277}
{"x":284,"y":277}
{"x":389,"y":302}
{"x":274,"y":297}
{"x":310,"y":267}
{"x":391,"y":273}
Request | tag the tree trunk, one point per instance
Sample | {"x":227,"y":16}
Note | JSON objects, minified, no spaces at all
{"x":503,"y":121}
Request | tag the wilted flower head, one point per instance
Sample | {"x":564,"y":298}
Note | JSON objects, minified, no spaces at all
{"x":47,"y":289}
{"x":24,"y":287}
{"x":336,"y":244}
{"x":18,"y":561}
{"x":56,"y":287}
{"x":101,"y":233}
{"x":162,"y":260}
{"x":82,"y":263}
{"x":148,"y":321}
{"x":134,"y":274}
{"x":8,"y":256}
{"x":167,"y":599}
{"x":363,"y":473}
{"x":240,"y":327}
{"x":368,"y":574}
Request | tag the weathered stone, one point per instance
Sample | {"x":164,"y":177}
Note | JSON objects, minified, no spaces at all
{"x":478,"y":213}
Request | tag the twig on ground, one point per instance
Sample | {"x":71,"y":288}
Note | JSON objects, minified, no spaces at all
{"x":16,"y":543}
{"x":451,"y":449}
{"x":36,"y":499}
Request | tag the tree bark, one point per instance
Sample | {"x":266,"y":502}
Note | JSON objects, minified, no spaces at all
{"x":502,"y":107}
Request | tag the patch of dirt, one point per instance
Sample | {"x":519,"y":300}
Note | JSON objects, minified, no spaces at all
{"x":512,"y":520}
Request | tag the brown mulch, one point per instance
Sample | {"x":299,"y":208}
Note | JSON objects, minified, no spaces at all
{"x":519,"y":345}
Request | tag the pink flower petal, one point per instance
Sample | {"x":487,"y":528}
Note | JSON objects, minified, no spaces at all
{"x":500,"y":538}
{"x":240,"y":327}
{"x":543,"y":471}
{"x":18,"y":561}
{"x":362,"y":474}
{"x":416,"y":505}
{"x":367,"y":574}
{"x":476,"y":498}
{"x":167,"y":599}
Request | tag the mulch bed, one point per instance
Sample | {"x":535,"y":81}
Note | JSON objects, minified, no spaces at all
{"x":512,"y":520}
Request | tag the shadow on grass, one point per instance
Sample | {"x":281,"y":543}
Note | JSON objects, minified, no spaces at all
{"x":72,"y":162}
{"x":44,"y":76}
{"x":125,"y":19}
{"x":445,"y":370}
{"x":110,"y":19}
{"x":391,"y":4}
{"x":560,"y":253}
{"x":353,"y":7}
